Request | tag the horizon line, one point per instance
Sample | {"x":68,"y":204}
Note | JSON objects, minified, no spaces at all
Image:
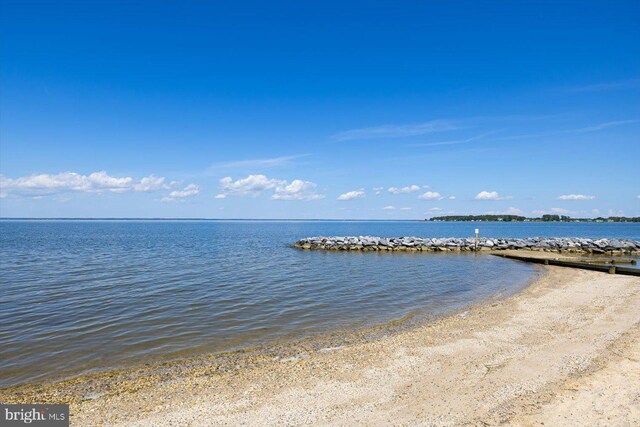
{"x":425,"y":219}
{"x":190,"y":219}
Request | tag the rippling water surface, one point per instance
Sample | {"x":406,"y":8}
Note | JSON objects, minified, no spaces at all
{"x":85,"y":295}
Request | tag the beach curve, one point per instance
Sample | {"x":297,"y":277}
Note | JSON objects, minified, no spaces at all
{"x":572,"y":336}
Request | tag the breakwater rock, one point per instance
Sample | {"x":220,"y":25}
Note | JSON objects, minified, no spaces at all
{"x":419,"y":244}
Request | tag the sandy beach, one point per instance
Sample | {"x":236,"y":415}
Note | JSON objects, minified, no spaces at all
{"x":562,"y":352}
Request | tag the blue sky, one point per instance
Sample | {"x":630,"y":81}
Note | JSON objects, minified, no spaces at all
{"x":397,"y":110}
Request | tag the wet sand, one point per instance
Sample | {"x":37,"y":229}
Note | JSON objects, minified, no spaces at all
{"x":562,"y":352}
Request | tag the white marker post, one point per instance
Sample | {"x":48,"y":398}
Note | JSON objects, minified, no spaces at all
{"x":477,"y":232}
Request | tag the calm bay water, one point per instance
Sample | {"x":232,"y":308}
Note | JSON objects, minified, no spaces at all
{"x":85,"y":295}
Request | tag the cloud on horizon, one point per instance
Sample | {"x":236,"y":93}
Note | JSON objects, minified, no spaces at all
{"x":297,"y":190}
{"x":405,"y":190}
{"x":352,"y":195}
{"x":576,"y":197}
{"x":188,"y":191}
{"x":254,"y":185}
{"x":491,"y":195}
{"x":96,"y":182}
{"x":431,"y":195}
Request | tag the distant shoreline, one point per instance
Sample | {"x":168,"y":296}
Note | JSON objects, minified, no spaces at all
{"x":517,"y":218}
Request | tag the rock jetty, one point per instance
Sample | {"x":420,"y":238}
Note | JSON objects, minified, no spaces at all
{"x":419,"y":244}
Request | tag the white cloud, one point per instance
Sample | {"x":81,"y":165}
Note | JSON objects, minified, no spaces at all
{"x":435,"y":209}
{"x":351,"y":195}
{"x":404,"y":190}
{"x":491,"y":195}
{"x":451,"y":197}
{"x":576,"y":197}
{"x":377,"y":190}
{"x":39,"y":185}
{"x":151,"y":183}
{"x":100,"y":180}
{"x":66,"y":181}
{"x":297,"y":190}
{"x":430,"y":195}
{"x":395,"y":131}
{"x":393,"y":208}
{"x":251,"y":185}
{"x":254,"y":185}
{"x":96,"y":182}
{"x":188,"y":191}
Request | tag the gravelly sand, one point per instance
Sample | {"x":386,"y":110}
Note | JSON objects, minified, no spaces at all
{"x":562,"y":352}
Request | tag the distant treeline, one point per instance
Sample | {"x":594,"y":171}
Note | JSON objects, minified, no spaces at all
{"x":543,"y":218}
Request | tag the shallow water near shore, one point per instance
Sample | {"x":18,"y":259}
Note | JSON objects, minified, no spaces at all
{"x":93,"y":295}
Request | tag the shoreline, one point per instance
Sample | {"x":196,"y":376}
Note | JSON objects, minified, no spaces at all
{"x":506,"y":360}
{"x":78,"y":387}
